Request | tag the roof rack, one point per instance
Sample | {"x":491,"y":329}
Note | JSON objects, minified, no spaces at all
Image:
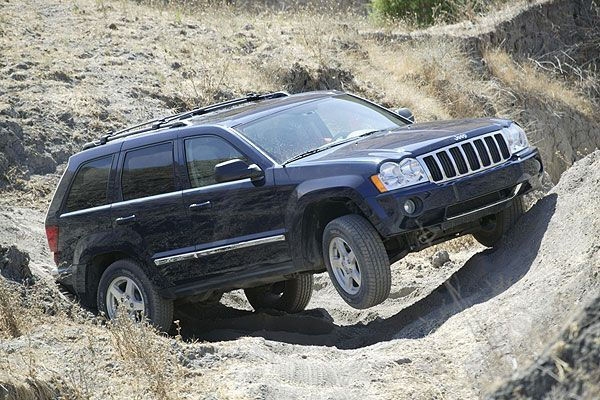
{"x":176,"y":120}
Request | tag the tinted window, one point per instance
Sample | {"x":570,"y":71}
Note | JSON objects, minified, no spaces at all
{"x":203,"y":153}
{"x":90,"y":185}
{"x":148,"y":171}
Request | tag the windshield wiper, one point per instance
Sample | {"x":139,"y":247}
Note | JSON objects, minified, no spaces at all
{"x":305,"y":154}
{"x":330,"y":145}
{"x":318,"y":149}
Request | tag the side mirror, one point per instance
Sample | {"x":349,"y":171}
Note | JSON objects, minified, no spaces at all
{"x":406,"y":113}
{"x":236,"y":169}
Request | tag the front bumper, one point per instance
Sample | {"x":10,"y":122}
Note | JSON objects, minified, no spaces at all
{"x":454,"y":203}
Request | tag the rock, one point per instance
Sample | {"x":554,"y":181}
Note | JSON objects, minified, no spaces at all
{"x":14,"y":265}
{"x":60,"y":76}
{"x":112,"y":26}
{"x":440,"y":258}
{"x":300,"y":78}
{"x":18,"y":76}
{"x":67,"y":118}
{"x":6,"y":109}
{"x":176,"y":65}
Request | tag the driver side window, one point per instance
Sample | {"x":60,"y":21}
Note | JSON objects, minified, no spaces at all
{"x":203,"y":153}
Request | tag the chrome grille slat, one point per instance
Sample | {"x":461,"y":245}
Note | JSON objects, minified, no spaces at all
{"x":478,"y":156}
{"x":440,"y":166}
{"x":451,"y":157}
{"x":469,"y":169}
{"x":457,"y":155}
{"x":489,"y":151}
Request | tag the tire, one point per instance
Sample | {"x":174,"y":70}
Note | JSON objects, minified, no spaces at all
{"x":291,"y":296}
{"x":495,"y":228}
{"x":126,"y":278}
{"x":366,"y":281}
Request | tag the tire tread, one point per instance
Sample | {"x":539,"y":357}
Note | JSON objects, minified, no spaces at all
{"x":369,"y":243}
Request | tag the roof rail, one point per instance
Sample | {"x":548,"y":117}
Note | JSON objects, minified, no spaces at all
{"x":175,"y":120}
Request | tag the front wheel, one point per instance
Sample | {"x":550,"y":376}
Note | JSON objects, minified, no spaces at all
{"x":291,"y":296}
{"x":494,"y":227}
{"x":357,"y":262}
{"x":124,"y":284}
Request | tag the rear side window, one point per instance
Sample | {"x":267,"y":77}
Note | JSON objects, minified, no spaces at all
{"x":148,"y":172}
{"x":90,"y":185}
{"x":203,"y":153}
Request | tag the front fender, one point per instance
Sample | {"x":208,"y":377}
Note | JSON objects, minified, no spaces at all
{"x":346,"y":187}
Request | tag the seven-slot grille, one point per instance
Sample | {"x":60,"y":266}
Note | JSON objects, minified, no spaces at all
{"x":466,"y":157}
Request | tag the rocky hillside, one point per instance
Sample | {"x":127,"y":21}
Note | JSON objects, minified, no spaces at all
{"x":72,"y":71}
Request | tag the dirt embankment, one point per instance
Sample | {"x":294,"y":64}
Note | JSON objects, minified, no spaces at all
{"x":560,"y":38}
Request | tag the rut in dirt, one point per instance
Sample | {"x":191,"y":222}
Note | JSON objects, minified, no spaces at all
{"x":484,"y":276}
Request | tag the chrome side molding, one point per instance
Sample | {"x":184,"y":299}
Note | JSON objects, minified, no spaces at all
{"x":219,"y":249}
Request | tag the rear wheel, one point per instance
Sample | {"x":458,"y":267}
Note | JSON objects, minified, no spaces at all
{"x":124,"y":284}
{"x":357,"y":262}
{"x":291,"y":296}
{"x":494,"y":228}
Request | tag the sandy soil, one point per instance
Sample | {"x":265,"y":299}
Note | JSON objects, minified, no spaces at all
{"x":451,"y":332}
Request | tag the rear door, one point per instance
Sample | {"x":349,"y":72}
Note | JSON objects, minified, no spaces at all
{"x":84,"y":216}
{"x":234,"y":225}
{"x":150,"y":214}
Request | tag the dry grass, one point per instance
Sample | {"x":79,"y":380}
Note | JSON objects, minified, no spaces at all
{"x":526,"y":79}
{"x":52,"y":349}
{"x":147,"y":358}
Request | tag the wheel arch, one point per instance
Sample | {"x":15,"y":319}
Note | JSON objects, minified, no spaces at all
{"x":94,"y":264}
{"x":313,"y":210}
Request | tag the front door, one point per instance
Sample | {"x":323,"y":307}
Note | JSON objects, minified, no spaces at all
{"x":235,"y":225}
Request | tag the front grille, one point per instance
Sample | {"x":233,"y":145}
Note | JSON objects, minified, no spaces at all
{"x":466,"y":157}
{"x":478,"y":202}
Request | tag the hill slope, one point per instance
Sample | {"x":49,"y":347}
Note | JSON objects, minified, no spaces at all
{"x":73,"y":70}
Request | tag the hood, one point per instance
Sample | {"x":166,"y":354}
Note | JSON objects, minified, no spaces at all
{"x":411,"y":140}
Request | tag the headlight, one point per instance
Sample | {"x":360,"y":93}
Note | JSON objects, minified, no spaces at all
{"x":393,"y":175}
{"x":517,"y":140}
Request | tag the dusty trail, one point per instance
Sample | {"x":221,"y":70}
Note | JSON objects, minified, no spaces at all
{"x":446,"y":332}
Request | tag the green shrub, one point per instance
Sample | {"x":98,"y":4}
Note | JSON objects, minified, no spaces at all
{"x":427,"y":12}
{"x":422,"y":12}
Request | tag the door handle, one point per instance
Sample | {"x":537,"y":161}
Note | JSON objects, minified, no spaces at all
{"x":124,"y":220}
{"x":198,"y":206}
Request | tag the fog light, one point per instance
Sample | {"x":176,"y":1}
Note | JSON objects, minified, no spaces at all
{"x":409,"y":206}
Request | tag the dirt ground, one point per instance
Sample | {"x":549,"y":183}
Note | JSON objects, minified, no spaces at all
{"x":506,"y":322}
{"x":452,"y":332}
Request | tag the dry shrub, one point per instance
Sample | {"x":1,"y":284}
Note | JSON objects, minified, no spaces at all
{"x":435,"y":77}
{"x":13,"y":320}
{"x":147,"y":356}
{"x":524,"y":78}
{"x":26,"y":388}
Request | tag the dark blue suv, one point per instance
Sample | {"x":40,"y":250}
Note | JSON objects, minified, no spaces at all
{"x":262,"y":192}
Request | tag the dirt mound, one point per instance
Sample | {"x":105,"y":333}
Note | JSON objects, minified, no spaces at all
{"x":14,"y":264}
{"x":302,"y":78}
{"x":556,"y":31}
{"x":570,"y":368}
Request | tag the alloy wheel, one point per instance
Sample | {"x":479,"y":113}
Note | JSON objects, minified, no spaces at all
{"x":344,"y":265}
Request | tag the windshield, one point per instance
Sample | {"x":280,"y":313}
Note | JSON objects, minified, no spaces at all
{"x":317,"y":124}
